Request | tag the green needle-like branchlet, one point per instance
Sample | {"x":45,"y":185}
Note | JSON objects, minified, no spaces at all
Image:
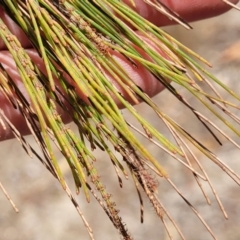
{"x":76,"y":40}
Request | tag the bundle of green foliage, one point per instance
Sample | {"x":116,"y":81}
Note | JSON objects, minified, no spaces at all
{"x":77,"y":40}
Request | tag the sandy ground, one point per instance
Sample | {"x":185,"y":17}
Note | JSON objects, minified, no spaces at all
{"x":46,"y":212}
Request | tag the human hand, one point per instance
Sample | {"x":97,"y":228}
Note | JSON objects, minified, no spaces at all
{"x":190,"y":10}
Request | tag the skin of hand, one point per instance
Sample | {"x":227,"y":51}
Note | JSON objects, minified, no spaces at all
{"x":190,"y":10}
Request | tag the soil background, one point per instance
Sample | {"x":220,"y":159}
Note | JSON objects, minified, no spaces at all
{"x":46,"y":212}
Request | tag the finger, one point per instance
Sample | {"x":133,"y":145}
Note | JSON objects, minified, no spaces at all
{"x":11,"y":113}
{"x":140,"y":76}
{"x":189,"y":10}
{"x":15,"y":29}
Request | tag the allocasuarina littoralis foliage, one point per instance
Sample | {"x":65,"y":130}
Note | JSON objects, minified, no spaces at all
{"x":76,"y":39}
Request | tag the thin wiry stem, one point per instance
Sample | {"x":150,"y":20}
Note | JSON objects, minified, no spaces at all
{"x":193,"y":209}
{"x":76,"y":40}
{"x":231,"y":4}
{"x":9,"y":198}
